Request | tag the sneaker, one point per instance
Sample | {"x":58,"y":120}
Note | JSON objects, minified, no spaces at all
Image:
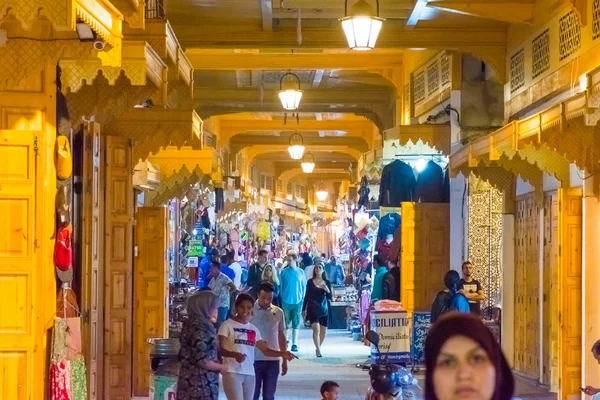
{"x":294,"y":348}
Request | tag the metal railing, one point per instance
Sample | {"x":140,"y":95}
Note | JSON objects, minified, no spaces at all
{"x":155,"y":9}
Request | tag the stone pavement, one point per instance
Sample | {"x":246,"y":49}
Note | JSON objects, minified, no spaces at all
{"x":340,"y":356}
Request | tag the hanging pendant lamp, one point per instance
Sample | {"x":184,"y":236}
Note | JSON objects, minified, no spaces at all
{"x":289,"y":91}
{"x":362,"y":25}
{"x":296,"y":148}
{"x":322,"y":193}
{"x":308,"y":163}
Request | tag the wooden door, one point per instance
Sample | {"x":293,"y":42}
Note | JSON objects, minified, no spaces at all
{"x":118,"y":269}
{"x":570,"y":276}
{"x":425,"y":253}
{"x":527,"y":251}
{"x":551,"y":291}
{"x":150,"y":290}
{"x":27,"y":195}
{"x":93,"y":245}
{"x":17,"y":263}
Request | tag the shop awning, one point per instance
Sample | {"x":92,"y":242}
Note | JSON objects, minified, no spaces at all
{"x":156,"y":128}
{"x":436,"y":136}
{"x":180,"y":168}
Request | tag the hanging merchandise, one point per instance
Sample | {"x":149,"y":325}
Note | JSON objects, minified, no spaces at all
{"x":430,"y":184}
{"x":388,"y":225}
{"x":397,"y":184}
{"x":63,"y":206}
{"x":446,"y":196}
{"x":263,"y":230}
{"x":62,"y":158}
{"x":363,"y":193}
{"x":67,"y":369}
{"x":62,"y":248}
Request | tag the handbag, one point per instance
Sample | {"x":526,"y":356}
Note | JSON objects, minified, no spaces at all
{"x":62,"y":158}
{"x":63,"y":251}
{"x":319,"y":309}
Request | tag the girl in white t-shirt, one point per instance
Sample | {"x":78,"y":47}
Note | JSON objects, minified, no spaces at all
{"x":237,"y":340}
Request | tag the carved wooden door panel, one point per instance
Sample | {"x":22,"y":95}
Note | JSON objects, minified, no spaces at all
{"x":150,"y":290}
{"x":118,"y":268}
{"x":520,"y":254}
{"x":551,"y":291}
{"x":570,"y":277}
{"x":425,"y":253}
{"x":93,"y":244}
{"x":532,"y":287}
{"x":18,"y":262}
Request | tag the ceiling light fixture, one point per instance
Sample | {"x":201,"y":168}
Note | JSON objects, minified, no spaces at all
{"x":322,"y":193}
{"x":289,"y":91}
{"x":296,"y":148}
{"x":362,"y":25}
{"x":308,"y":163}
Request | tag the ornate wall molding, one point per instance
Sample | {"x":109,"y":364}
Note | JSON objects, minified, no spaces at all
{"x":437,"y":136}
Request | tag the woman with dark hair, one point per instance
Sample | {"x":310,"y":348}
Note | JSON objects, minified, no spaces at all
{"x":449,"y":299}
{"x":237,"y":340}
{"x":464,"y":361}
{"x":200,"y":367}
{"x":315,"y":308}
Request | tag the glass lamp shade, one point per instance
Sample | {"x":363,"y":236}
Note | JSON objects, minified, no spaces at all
{"x":290,"y":98}
{"x":322,"y":195}
{"x":308,"y":167}
{"x":296,"y":151}
{"x":362,"y":26}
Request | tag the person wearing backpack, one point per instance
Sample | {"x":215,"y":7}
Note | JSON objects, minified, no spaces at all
{"x":449,"y":299}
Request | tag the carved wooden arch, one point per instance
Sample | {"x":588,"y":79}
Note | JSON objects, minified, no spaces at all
{"x":176,"y":184}
{"x":497,"y":176}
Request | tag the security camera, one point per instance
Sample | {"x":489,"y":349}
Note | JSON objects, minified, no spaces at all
{"x":101,"y":45}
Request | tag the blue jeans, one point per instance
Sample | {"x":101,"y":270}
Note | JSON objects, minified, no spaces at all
{"x":223,"y":314}
{"x":267,"y":373}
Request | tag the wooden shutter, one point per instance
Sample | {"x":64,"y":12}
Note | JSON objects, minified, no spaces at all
{"x":551,"y":291}
{"x":93,"y":244}
{"x":570,"y":203}
{"x":118,"y":266}
{"x":150,"y":290}
{"x":425,"y":253}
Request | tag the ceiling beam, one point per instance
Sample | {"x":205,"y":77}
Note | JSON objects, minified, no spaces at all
{"x":217,"y":60}
{"x":333,"y":13}
{"x":266,"y":7}
{"x":329,"y":96}
{"x":240,"y":142}
{"x":415,"y":16}
{"x":203,"y":34}
{"x":241,"y":125}
{"x":512,"y":13}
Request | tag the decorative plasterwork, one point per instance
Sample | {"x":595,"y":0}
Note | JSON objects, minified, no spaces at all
{"x":133,"y":11}
{"x":21,"y":57}
{"x":550,"y":139}
{"x":140,"y":64}
{"x":437,"y":136}
{"x":180,"y":168}
{"x":156,"y":128}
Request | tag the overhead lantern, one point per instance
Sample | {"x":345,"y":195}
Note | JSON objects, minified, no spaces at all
{"x":289,"y":91}
{"x":296,"y":148}
{"x":322,"y":193}
{"x":362,"y":25}
{"x":308,"y":163}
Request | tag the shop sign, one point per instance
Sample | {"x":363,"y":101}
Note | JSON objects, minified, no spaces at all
{"x":192,"y":262}
{"x":393,"y":328}
{"x":244,"y":236}
{"x":195,"y":248}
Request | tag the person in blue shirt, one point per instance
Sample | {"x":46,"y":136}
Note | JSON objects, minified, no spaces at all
{"x":230,"y":273}
{"x":293,"y":289}
{"x":380,"y":271}
{"x":335,"y":272}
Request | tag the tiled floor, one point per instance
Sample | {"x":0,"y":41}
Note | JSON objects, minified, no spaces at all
{"x":340,"y":356}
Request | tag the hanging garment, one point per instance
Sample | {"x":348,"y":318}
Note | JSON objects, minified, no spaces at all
{"x":60,"y":385}
{"x":263,"y":230}
{"x":388,"y":225}
{"x":219,"y":199}
{"x":430,"y":184}
{"x":446,"y":196}
{"x":363,"y":193}
{"x":397,"y":184}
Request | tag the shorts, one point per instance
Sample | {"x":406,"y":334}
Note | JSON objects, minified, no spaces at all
{"x":293,"y":315}
{"x":323,"y":321}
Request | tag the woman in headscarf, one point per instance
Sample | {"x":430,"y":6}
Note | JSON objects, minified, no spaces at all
{"x":200,"y":367}
{"x":271,"y":275}
{"x":464,"y":361}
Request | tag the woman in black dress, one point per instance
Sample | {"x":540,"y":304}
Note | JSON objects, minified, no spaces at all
{"x":200,"y":367}
{"x":316,"y":306}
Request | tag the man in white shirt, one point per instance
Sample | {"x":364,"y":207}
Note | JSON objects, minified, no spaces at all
{"x":270,"y":322}
{"x":237,"y":268}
